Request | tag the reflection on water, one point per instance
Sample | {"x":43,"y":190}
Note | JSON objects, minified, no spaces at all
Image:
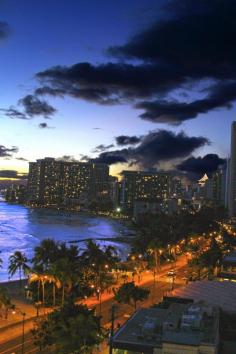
{"x":22,"y":228}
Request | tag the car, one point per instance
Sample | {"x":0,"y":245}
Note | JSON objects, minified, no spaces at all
{"x":171,"y":273}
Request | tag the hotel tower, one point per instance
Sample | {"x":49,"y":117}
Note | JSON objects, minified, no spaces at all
{"x":232,"y":173}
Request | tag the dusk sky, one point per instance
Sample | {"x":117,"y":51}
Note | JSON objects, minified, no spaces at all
{"x":136,"y":83}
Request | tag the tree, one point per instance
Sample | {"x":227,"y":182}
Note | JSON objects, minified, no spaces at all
{"x":45,"y":254}
{"x":72,"y":329}
{"x":42,"y":279}
{"x":211,"y":258}
{"x":98,"y":263}
{"x":155,"y":248}
{"x":129,"y":293}
{"x":5,"y":301}
{"x":18,"y":262}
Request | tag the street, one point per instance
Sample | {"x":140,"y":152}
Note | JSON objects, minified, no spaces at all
{"x":11,"y":338}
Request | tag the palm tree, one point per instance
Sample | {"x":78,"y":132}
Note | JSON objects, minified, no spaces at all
{"x":130,"y":294}
{"x":43,"y":279}
{"x":65,"y":273}
{"x":45,"y":254}
{"x":18,"y":262}
{"x":155,"y":248}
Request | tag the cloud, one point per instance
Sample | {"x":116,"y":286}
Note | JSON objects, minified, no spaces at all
{"x":102,"y":148}
{"x":67,"y":158}
{"x":12,"y":174}
{"x":8,"y":174}
{"x":21,"y":159}
{"x":112,"y":157}
{"x":13,"y":113}
{"x":44,"y":126}
{"x":192,"y":42}
{"x":197,"y":166}
{"x":221,"y":95}
{"x":109,"y":83}
{"x":7,"y":152}
{"x":4,"y":30}
{"x":155,"y":147}
{"x":193,"y":36}
{"x":127,"y":140}
{"x":33,"y":106}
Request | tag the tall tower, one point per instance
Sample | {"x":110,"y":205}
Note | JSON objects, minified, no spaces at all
{"x":232,"y":175}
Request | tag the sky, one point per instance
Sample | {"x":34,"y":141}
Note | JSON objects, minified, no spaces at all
{"x":135,"y":84}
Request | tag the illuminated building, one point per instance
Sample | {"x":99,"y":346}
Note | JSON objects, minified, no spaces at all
{"x":144,"y":186}
{"x":55,"y":182}
{"x":232,"y":173}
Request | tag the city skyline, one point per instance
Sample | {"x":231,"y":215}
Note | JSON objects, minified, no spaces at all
{"x":93,"y":78}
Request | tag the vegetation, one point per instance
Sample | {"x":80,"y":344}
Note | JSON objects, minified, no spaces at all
{"x":5,"y":301}
{"x":129,"y":293}
{"x":72,"y":329}
{"x":164,"y":230}
{"x":18,"y":262}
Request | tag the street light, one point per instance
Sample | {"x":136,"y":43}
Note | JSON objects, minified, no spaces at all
{"x":23,"y":314}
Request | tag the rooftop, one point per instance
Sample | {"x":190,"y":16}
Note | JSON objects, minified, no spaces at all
{"x":189,"y":324}
{"x":216,"y":293}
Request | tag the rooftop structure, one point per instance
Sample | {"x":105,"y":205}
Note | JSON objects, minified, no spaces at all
{"x":182,"y":328}
{"x":216,"y":293}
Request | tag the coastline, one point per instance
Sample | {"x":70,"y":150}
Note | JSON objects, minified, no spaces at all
{"x":23,"y":227}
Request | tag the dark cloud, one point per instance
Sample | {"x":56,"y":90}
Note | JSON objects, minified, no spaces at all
{"x":13,"y":113}
{"x":195,"y":167}
{"x":109,"y":83}
{"x":67,"y":158}
{"x":221,"y":95}
{"x":112,"y":157}
{"x":192,"y":42}
{"x":4,"y":30}
{"x":102,"y":148}
{"x":33,"y":106}
{"x":7,"y":152}
{"x":21,"y":159}
{"x":155,"y":147}
{"x":44,"y":126}
{"x":8,"y":174}
{"x":199,"y":36}
{"x":127,"y":140}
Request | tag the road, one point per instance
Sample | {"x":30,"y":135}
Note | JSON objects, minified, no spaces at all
{"x":160,"y":287}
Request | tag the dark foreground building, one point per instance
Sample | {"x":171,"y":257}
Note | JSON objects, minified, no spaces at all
{"x":179,"y":329}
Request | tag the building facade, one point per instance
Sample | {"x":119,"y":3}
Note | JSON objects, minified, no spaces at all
{"x":144,"y":186}
{"x":54,"y":182}
{"x":232,"y":173}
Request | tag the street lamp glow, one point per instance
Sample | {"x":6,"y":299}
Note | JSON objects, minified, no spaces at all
{"x":118,"y":210}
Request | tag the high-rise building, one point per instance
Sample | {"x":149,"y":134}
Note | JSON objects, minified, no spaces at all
{"x":232,"y":173}
{"x":53,"y":182}
{"x":144,"y":186}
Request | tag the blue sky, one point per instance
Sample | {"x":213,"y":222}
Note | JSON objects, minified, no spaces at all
{"x":59,"y":32}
